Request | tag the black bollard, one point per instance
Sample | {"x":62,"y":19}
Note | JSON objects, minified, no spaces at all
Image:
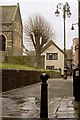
{"x":44,"y":96}
{"x":76,"y":84}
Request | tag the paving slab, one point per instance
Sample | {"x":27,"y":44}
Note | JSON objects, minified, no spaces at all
{"x":66,"y":108}
{"x":29,"y":107}
{"x":18,"y":107}
{"x":53,"y":106}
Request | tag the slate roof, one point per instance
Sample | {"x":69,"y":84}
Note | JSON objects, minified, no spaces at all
{"x":7,"y":13}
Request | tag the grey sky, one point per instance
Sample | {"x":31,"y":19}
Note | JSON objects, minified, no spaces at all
{"x":47,"y":8}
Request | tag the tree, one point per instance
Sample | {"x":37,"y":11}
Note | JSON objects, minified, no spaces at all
{"x":39,"y":32}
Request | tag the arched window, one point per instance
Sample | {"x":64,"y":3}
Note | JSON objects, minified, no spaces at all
{"x":2,"y":43}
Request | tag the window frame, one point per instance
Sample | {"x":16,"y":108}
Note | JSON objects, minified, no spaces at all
{"x":52,"y":56}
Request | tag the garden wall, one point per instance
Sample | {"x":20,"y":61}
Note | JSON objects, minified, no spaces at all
{"x":12,"y":79}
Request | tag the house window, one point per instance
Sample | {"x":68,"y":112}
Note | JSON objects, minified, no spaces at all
{"x":2,"y":43}
{"x":50,"y":67}
{"x":52,"y":56}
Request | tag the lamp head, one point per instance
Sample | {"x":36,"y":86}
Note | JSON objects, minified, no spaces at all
{"x":68,"y":13}
{"x":57,"y":13}
{"x":72,"y":28}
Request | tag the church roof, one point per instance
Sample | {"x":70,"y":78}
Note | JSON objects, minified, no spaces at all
{"x":7,"y":13}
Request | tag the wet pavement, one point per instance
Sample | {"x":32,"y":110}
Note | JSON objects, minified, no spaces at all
{"x":66,"y":108}
{"x":25,"y":102}
{"x":19,"y":107}
{"x":29,"y":107}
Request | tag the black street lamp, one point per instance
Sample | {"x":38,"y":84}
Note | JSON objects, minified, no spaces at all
{"x":76,"y":71}
{"x":79,"y":33}
{"x":72,"y":28}
{"x":66,"y":12}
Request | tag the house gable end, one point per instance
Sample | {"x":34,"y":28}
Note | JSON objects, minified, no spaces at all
{"x":49,"y":44}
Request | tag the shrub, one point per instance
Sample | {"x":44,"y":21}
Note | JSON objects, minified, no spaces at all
{"x":23,"y":60}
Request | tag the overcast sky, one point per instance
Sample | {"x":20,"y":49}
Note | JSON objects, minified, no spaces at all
{"x":46,"y":8}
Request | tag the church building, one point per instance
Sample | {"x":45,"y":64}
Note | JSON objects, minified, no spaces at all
{"x":11,"y":31}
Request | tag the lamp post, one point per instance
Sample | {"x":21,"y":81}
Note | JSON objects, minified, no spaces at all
{"x":72,"y":28}
{"x":79,"y":33}
{"x":76,"y":71}
{"x":66,"y":12}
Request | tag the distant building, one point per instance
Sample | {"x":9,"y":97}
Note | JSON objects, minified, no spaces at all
{"x":75,"y":52}
{"x":69,"y":61}
{"x":11,"y":31}
{"x":54,"y":57}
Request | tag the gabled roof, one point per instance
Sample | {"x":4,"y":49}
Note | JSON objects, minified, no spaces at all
{"x":50,"y":43}
{"x":7,"y":13}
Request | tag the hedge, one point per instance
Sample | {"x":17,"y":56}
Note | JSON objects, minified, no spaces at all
{"x":12,"y":79}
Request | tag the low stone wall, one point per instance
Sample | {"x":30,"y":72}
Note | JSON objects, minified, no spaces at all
{"x":12,"y":79}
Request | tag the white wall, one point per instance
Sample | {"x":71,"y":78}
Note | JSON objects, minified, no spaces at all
{"x":57,"y":63}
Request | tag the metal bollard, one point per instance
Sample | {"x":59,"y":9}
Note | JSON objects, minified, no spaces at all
{"x":44,"y":96}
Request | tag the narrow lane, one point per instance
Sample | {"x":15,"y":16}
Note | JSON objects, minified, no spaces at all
{"x":56,"y":88}
{"x":25,"y":102}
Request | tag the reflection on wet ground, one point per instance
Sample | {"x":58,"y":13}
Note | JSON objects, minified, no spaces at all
{"x":19,"y":106}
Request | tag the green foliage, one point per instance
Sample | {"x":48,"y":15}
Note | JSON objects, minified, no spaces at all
{"x":78,"y":111}
{"x":15,"y":66}
{"x":23,"y":60}
{"x":52,"y":73}
{"x":13,"y":78}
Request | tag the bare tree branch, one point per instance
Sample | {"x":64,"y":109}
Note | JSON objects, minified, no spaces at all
{"x":39,"y":31}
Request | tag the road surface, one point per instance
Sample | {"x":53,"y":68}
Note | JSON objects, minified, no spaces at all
{"x":25,"y":102}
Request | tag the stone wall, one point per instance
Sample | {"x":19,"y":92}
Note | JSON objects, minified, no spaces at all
{"x":17,"y":34}
{"x":13,"y":33}
{"x":8,"y":36}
